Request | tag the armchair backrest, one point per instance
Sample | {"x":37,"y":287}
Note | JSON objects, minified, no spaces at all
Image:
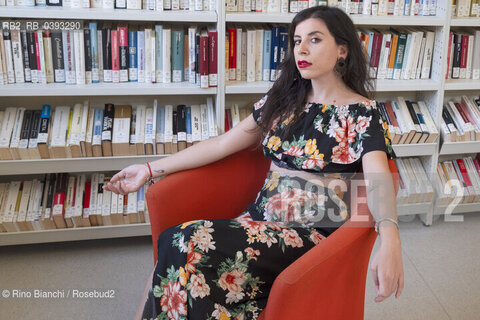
{"x":220,"y":190}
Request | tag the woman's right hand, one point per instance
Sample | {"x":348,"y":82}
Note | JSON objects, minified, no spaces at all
{"x":129,"y":179}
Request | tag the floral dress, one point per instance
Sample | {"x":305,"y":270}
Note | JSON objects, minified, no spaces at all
{"x":224,"y":269}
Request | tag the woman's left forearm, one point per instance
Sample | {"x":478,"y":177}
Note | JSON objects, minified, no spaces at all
{"x":381,"y":202}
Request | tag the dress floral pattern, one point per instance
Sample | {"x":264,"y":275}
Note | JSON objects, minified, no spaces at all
{"x":224,"y":269}
{"x":335,"y":140}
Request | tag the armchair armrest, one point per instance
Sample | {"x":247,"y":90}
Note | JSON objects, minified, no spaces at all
{"x":329,"y":280}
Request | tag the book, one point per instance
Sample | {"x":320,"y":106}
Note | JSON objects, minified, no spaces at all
{"x":58,"y":206}
{"x":160,"y":130}
{"x":107,"y":128}
{"x":33,"y":151}
{"x":203,"y":58}
{"x":212,"y":58}
{"x":15,"y":140}
{"x":25,"y":134}
{"x":177,"y":46}
{"x":58,"y":142}
{"x":121,"y":130}
{"x":181,"y":127}
{"x":43,"y":132}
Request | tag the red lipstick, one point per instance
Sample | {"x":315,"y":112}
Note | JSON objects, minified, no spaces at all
{"x":303,"y":64}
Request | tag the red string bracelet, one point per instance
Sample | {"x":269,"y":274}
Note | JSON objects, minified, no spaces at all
{"x":151,"y":175}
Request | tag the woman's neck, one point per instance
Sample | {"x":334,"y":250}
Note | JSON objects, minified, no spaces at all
{"x":329,"y":90}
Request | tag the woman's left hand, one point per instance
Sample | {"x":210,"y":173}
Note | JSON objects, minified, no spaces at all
{"x":387,"y":266}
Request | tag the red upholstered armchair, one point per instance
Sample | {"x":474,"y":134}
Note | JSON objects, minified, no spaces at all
{"x":328,"y":282}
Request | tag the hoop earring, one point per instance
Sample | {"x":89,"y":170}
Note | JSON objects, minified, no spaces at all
{"x":340,"y":67}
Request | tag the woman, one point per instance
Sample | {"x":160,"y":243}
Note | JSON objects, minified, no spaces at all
{"x":315,"y":121}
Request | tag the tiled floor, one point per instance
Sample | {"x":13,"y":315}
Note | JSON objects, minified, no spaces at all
{"x":442,"y":276}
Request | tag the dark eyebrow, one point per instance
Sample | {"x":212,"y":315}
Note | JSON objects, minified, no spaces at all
{"x":311,"y":33}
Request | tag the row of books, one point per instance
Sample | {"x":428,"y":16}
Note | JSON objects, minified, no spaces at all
{"x":234,"y":115}
{"x":159,"y":5}
{"x":465,"y":8}
{"x":112,"y":54}
{"x":398,"y":53}
{"x":408,"y":121}
{"x":253,"y":54}
{"x":67,"y":201}
{"x":463,"y":57}
{"x":115,"y":130}
{"x":414,"y":185}
{"x":367,"y":7}
{"x":458,"y":180}
{"x":461,"y":120}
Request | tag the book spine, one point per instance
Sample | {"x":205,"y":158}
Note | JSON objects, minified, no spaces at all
{"x":115,"y":57}
{"x":204,"y":59}
{"x":94,"y":51}
{"x":57,"y":54}
{"x":212,"y":61}
{"x":123,"y":53}
{"x":274,"y":53}
{"x":87,"y":42}
{"x":463,"y":56}
{"x":107,"y":54}
{"x":141,"y":56}
{"x":17,"y":54}
{"x":133,"y":59}
{"x":32,"y":56}
{"x":69,"y":57}
{"x":79,"y":48}
{"x":166,"y":49}
{"x":159,"y":53}
{"x":177,"y":56}
{"x":9,"y":56}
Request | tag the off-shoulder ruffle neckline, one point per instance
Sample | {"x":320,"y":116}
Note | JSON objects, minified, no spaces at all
{"x":364,"y":102}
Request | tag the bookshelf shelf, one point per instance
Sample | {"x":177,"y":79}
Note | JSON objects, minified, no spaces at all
{"x":414,"y":150}
{"x":357,"y":19}
{"x":108,"y":14}
{"x":75,"y":234}
{"x":260,"y":17}
{"x":407,"y":85}
{"x":242,"y":87}
{"x":103,"y":89}
{"x":413,"y":208}
{"x":465,"y":22}
{"x":398,"y":21}
{"x":464,"y":84}
{"x":16,"y":167}
{"x":460,"y":147}
{"x":458,"y":208}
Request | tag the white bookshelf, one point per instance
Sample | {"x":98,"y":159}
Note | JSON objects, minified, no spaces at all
{"x":465,"y":22}
{"x":75,"y":234}
{"x":413,"y":150}
{"x":432,"y":91}
{"x":107,"y":14}
{"x":462,"y":84}
{"x":103,"y":89}
{"x":242,"y":87}
{"x":458,"y":208}
{"x":463,"y":147}
{"x":357,"y":19}
{"x":38,"y":166}
{"x":414,"y":208}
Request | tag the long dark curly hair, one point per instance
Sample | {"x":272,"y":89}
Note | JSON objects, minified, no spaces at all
{"x":289,"y":92}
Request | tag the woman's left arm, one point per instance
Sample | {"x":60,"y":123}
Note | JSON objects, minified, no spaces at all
{"x":386,"y":266}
